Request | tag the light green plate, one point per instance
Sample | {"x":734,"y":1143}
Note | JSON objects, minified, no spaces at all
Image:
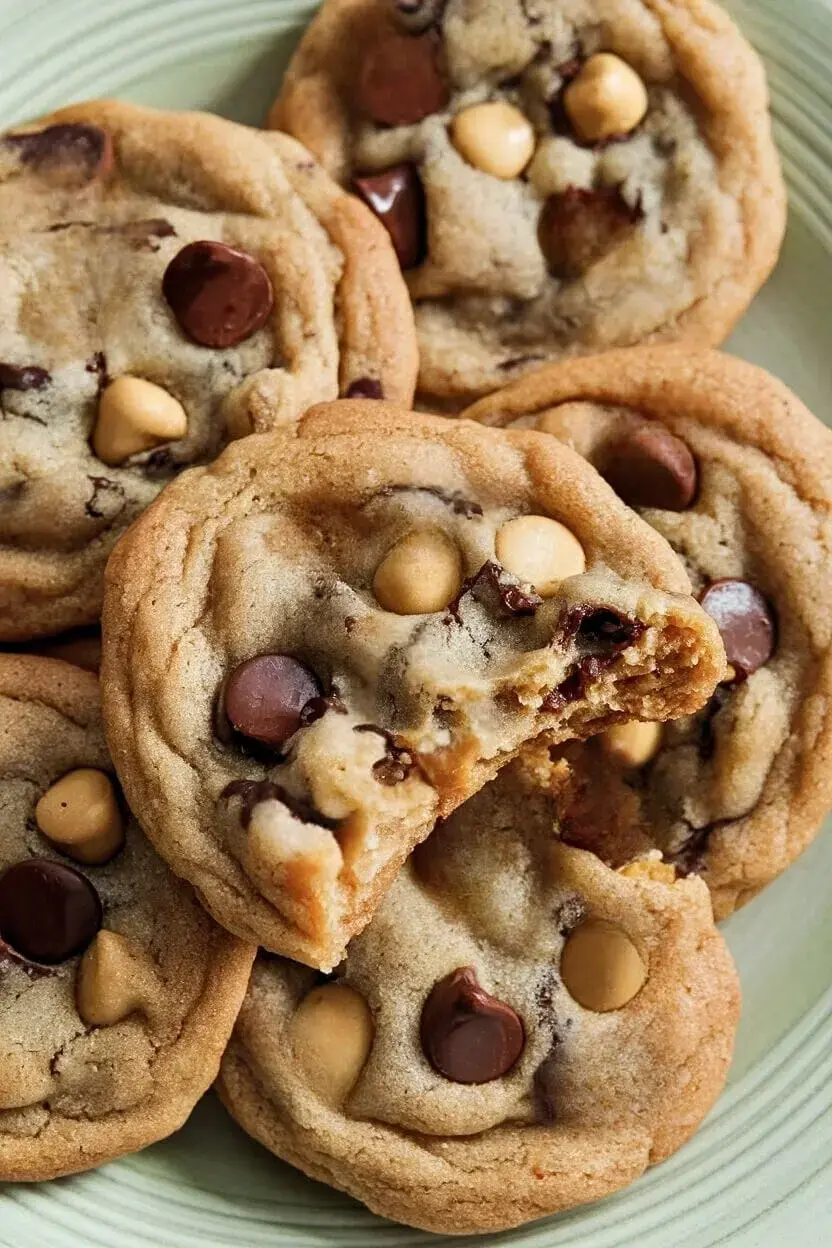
{"x":759,"y":1174}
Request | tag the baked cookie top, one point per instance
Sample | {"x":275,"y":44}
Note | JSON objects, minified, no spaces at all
{"x":117,"y":991}
{"x":730,"y":467}
{"x":339,"y":631}
{"x":559,"y":177}
{"x":167,"y":281}
{"x":519,"y":1030}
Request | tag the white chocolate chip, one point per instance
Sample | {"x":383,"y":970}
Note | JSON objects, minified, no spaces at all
{"x":331,"y":1034}
{"x":495,"y":138}
{"x":420,"y":574}
{"x":115,"y":979}
{"x":80,"y":813}
{"x":136,"y":415}
{"x":607,"y":98}
{"x":540,"y":551}
{"x":634,"y":743}
{"x":601,"y":967}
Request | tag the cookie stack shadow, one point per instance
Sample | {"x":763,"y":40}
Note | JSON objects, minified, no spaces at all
{"x":454,"y":680}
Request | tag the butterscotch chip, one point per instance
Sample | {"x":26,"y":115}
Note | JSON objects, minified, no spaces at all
{"x":606,"y":98}
{"x":115,"y":979}
{"x":422,"y":573}
{"x":541,"y":551}
{"x":135,"y":415}
{"x":495,"y":138}
{"x":81,"y":814}
{"x":649,"y":869}
{"x":601,"y":967}
{"x":331,"y":1034}
{"x":633,"y":744}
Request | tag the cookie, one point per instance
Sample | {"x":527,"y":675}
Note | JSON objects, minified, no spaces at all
{"x":736,"y":474}
{"x":169,"y":281}
{"x":79,"y":646}
{"x":117,"y":991}
{"x":558,"y":178}
{"x":519,"y":1030}
{"x":339,"y":631}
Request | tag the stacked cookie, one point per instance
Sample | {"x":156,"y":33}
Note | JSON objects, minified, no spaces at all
{"x":471,"y":725}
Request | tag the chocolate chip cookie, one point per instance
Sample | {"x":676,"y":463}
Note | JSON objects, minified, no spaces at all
{"x":733,"y":470}
{"x":519,"y":1030}
{"x":339,"y":631}
{"x":117,"y":992}
{"x":168,"y":281}
{"x":559,"y":177}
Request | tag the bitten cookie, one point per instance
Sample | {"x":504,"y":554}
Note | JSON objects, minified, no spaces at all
{"x":117,"y":991}
{"x":559,"y":177}
{"x":734,"y":471}
{"x":339,"y":631}
{"x":519,"y":1030}
{"x":168,"y":281}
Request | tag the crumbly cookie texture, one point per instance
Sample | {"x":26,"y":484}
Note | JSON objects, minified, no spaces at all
{"x":117,"y":991}
{"x":559,"y":177}
{"x":730,"y":467}
{"x":519,"y":1030}
{"x":338,"y":632}
{"x":169,"y":281}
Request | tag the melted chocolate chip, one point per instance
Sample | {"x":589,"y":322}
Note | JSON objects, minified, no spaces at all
{"x":365,"y":388}
{"x":25,"y":377}
{"x":601,"y":626}
{"x":707,"y":735}
{"x":579,"y":227}
{"x":49,"y":912}
{"x":467,"y":1035}
{"x":574,"y":687}
{"x":745,"y":621}
{"x":253,"y":792}
{"x":518,"y":361}
{"x":515,"y":599}
{"x":316,"y":708}
{"x":75,"y":152}
{"x":544,"y":1100}
{"x":396,"y":196}
{"x":398,"y":762}
{"x":690,"y":859}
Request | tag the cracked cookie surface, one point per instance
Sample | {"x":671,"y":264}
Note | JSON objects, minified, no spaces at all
{"x":169,"y":281}
{"x":337,"y":632}
{"x":559,"y":177}
{"x":519,"y":1030}
{"x":117,"y":991}
{"x":730,"y":467}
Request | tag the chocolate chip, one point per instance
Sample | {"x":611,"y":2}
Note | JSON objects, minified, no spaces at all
{"x":600,"y":626}
{"x":397,"y":198}
{"x":399,"y":82}
{"x":365,"y":388}
{"x":690,"y":859}
{"x":48,"y":911}
{"x":650,"y":467}
{"x":745,"y":621}
{"x":579,"y":227}
{"x":253,"y":792}
{"x":316,"y":708}
{"x":398,"y":762}
{"x":467,"y":1035}
{"x":219,"y":296}
{"x":74,"y":152}
{"x":265,"y":697}
{"x":574,"y":687}
{"x":515,"y":599}
{"x":25,"y":377}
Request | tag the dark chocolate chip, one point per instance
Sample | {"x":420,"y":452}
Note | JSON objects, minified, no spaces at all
{"x":48,"y":912}
{"x":601,"y":626}
{"x":365,"y":388}
{"x":574,"y":687}
{"x":745,"y":621}
{"x":252,"y":792}
{"x":650,"y":467}
{"x":399,"y":80}
{"x":25,"y":377}
{"x":397,"y":198}
{"x":220,"y":296}
{"x":467,"y":1035}
{"x":265,"y":697}
{"x":492,"y":578}
{"x":316,"y":708}
{"x":398,"y":762}
{"x":579,"y":227}
{"x":75,"y":152}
